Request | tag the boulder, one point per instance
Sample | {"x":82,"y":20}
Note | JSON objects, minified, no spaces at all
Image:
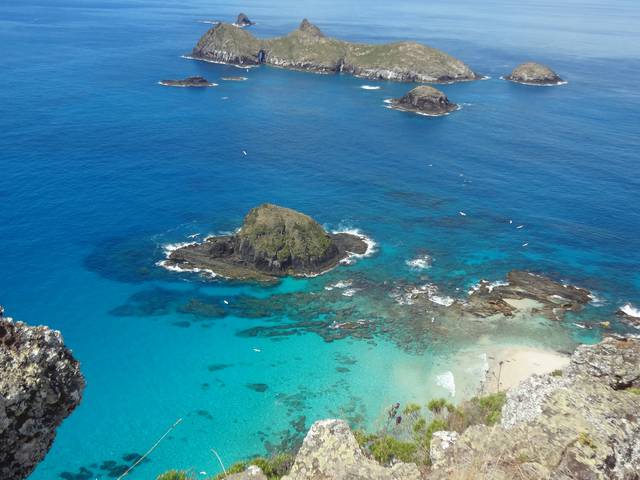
{"x":40,"y":385}
{"x":243,"y":21}
{"x":330,"y":451}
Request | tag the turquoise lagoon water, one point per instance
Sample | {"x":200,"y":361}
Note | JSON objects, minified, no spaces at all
{"x":101,"y":167}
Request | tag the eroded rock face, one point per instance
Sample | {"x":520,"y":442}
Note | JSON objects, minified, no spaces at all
{"x":425,"y":100}
{"x":330,"y":451}
{"x":582,"y":425}
{"x":307,"y":48}
{"x":252,"y":472}
{"x":534,"y":74}
{"x":40,"y":385}
{"x":273,"y":241}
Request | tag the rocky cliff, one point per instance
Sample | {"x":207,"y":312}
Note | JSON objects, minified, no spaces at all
{"x":307,"y":48}
{"x":425,"y":100}
{"x":40,"y":385}
{"x":273,"y":241}
{"x":534,"y":74}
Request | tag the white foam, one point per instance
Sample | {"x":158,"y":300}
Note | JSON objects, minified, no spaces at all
{"x":340,"y":284}
{"x":630,"y":310}
{"x":349,"y":292}
{"x":370,"y":87}
{"x":420,"y":263}
{"x":189,"y":57}
{"x":170,"y":248}
{"x":429,"y":290}
{"x":209,"y":22}
{"x":490,"y":285}
{"x":557,"y":84}
{"x":447,"y":381}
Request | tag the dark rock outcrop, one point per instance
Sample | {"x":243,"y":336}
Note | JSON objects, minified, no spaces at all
{"x":552,"y":298}
{"x":307,"y":48}
{"x":273,"y":241}
{"x":534,"y":74}
{"x":40,"y":385}
{"x":425,"y":100}
{"x":243,"y":21}
{"x":196,"y":81}
{"x":629,"y":315}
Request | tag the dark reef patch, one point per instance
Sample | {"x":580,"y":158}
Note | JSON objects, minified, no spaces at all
{"x":258,"y":387}
{"x":148,"y":303}
{"x":202,"y":307}
{"x":215,"y":367}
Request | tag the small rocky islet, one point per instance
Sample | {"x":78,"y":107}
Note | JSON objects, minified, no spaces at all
{"x":307,"y":48}
{"x":424,"y":100}
{"x":531,"y":73}
{"x":243,"y":21}
{"x":196,"y":81}
{"x":272,"y":242}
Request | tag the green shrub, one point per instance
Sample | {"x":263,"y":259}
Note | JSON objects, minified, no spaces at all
{"x":438,"y":405}
{"x":634,"y":390}
{"x":411,"y":408}
{"x":556,"y":373}
{"x":585,"y":439}
{"x":175,"y":475}
{"x":385,"y":449}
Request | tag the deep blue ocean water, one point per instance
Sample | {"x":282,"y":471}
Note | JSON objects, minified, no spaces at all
{"x":101,"y":167}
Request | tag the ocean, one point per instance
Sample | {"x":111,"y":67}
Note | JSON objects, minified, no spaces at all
{"x":101,"y":168}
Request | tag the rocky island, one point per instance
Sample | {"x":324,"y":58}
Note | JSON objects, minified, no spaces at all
{"x":243,"y":21}
{"x":188,"y":82}
{"x":273,"y":242}
{"x":40,"y":385}
{"x":307,"y":48}
{"x":534,"y":74}
{"x":424,"y":100}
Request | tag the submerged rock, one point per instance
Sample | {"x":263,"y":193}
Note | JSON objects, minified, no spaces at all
{"x":40,"y":385}
{"x":330,"y":451}
{"x":273,"y":241}
{"x":187,"y":82}
{"x":629,"y":315}
{"x":534,"y":74}
{"x":425,"y":100}
{"x":307,"y":48}
{"x":583,"y":425}
{"x":243,"y":21}
{"x":549,"y":298}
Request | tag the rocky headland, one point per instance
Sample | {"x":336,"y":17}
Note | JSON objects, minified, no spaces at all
{"x":534,"y":74}
{"x":424,"y":100}
{"x":272,"y":242}
{"x":581,"y":422}
{"x":196,"y":81}
{"x":40,"y":385}
{"x":307,"y":48}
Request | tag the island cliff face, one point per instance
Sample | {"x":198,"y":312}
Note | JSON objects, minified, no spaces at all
{"x":40,"y":385}
{"x":425,"y":100}
{"x":273,"y":241}
{"x":307,"y":48}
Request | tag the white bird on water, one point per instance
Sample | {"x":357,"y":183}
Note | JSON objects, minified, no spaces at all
{"x":520,"y":226}
{"x":244,"y":152}
{"x":525,"y":244}
{"x":226,"y":302}
{"x":257,"y":350}
{"x":463,"y":214}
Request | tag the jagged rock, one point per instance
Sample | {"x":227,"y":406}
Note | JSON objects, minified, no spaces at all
{"x":40,"y":385}
{"x":441,"y":443}
{"x":552,"y":298}
{"x":629,"y":315}
{"x":330,"y":451}
{"x":252,"y":472}
{"x":425,"y":100}
{"x":187,"y":82}
{"x":273,"y":241}
{"x":307,"y":48}
{"x":243,"y":21}
{"x":534,"y":74}
{"x":585,"y":425}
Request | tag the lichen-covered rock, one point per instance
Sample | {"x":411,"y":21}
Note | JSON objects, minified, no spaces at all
{"x":534,"y":74}
{"x":252,"y":472}
{"x":581,"y":425}
{"x":425,"y":100}
{"x":307,"y":48}
{"x":330,"y":451}
{"x":273,"y":241}
{"x":40,"y":385}
{"x":440,"y":446}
